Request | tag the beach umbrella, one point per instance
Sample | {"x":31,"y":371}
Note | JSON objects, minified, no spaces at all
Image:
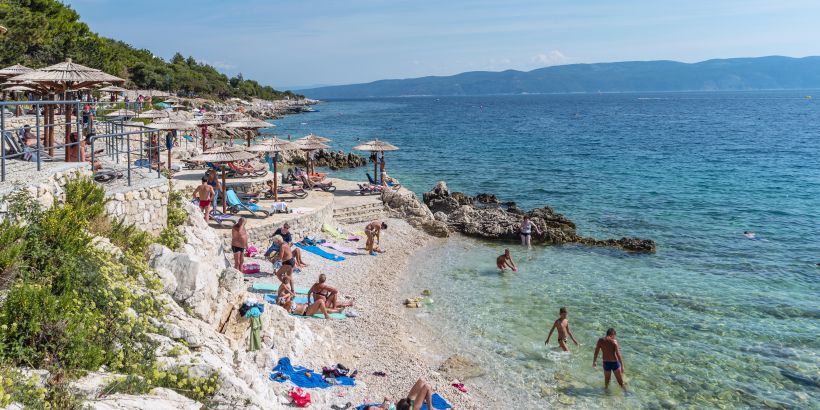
{"x":172,"y":100}
{"x":152,"y":114}
{"x":61,"y":78}
{"x":248,"y":123}
{"x":309,"y":144}
{"x":13,"y":71}
{"x":178,"y":106}
{"x":204,"y":122}
{"x":121,"y":113}
{"x":274,"y":145}
{"x":171,"y":125}
{"x":314,"y":138}
{"x":113,"y":90}
{"x":377,"y":146}
{"x":222,"y":155}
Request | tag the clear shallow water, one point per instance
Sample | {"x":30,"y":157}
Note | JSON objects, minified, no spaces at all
{"x":713,"y":319}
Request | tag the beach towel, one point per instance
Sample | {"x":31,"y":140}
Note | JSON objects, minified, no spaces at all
{"x":255,"y":342}
{"x":301,"y":210}
{"x":319,"y":251}
{"x":332,"y":232}
{"x":353,"y":238}
{"x":341,"y":248}
{"x":279,"y":207}
{"x":438,"y":403}
{"x":304,"y":377}
{"x":272,"y":298}
{"x":273,"y":287}
{"x":320,"y":315}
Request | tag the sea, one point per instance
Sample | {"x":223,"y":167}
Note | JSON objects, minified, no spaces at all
{"x":712,"y":320}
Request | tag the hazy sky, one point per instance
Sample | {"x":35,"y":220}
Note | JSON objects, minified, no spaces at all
{"x":307,"y":42}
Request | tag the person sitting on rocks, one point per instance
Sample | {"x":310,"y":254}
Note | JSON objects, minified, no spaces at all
{"x":286,"y":289}
{"x":286,"y":255}
{"x":322,"y":291}
{"x":284,"y":232}
{"x":373,"y":231}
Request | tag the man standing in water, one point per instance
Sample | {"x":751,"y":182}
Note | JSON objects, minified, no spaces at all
{"x":562,"y":324}
{"x":613,"y":362}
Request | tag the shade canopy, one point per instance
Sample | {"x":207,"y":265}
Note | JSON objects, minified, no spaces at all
{"x":121,"y":113}
{"x":248,"y":123}
{"x":223,"y":154}
{"x":172,"y":125}
{"x":310,"y":145}
{"x":376,"y":146}
{"x":154,"y":114}
{"x":112,"y":89}
{"x":314,"y":138}
{"x":171,"y":100}
{"x":273,"y":145}
{"x":67,"y":76}
{"x":207,"y":120}
{"x":13,"y":71}
{"x":18,"y":88}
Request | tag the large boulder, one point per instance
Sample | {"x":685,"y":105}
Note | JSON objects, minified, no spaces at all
{"x":406,"y":206}
{"x":158,"y":399}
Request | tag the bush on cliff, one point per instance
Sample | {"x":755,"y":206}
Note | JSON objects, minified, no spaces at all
{"x":70,"y":306}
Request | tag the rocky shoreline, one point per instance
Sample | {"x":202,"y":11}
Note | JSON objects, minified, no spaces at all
{"x":334,"y":160}
{"x":485,"y":217}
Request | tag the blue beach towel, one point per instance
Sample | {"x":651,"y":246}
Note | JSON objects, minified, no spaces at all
{"x":321,"y":252}
{"x":438,"y":402}
{"x":275,"y":286}
{"x":271,"y":298}
{"x":299,"y":376}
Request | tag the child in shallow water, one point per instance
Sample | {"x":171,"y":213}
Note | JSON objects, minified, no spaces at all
{"x":562,"y":324}
{"x":505,"y":260}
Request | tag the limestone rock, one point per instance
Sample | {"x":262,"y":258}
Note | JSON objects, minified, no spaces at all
{"x":158,"y":399}
{"x":460,"y":367}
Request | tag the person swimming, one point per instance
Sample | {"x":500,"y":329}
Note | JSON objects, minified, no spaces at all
{"x":749,"y":235}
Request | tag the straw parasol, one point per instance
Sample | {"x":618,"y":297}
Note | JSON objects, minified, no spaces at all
{"x":172,"y":100}
{"x":248,"y":123}
{"x":377,"y":146}
{"x":221,"y":155}
{"x":171,"y":125}
{"x":13,"y":71}
{"x":310,"y":143}
{"x":112,"y":89}
{"x":204,"y":122}
{"x":274,"y":145}
{"x":121,"y":113}
{"x":18,"y":88}
{"x":61,"y":78}
{"x":151,"y":114}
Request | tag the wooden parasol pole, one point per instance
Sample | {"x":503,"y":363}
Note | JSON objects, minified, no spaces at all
{"x":67,"y":125}
{"x":224,"y":188}
{"x":275,"y":181}
{"x":375,"y":168}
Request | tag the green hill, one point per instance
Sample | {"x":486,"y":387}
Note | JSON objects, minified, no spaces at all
{"x":45,"y":32}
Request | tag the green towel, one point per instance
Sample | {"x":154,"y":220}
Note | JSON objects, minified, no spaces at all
{"x":255,"y":342}
{"x":333,"y":232}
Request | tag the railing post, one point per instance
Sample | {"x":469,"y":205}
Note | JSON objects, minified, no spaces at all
{"x":2,"y":143}
{"x":128,"y":156}
{"x":80,"y":134}
{"x":93,"y":139}
{"x":37,"y":124}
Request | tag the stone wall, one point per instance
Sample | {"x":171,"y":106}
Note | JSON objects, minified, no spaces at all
{"x":300,"y":225}
{"x":146,"y":207}
{"x":45,"y":187}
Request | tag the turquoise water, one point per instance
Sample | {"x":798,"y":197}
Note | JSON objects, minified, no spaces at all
{"x":712,"y":320}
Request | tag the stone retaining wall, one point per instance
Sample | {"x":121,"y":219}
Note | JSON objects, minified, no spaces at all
{"x":300,"y":226}
{"x":45,"y":187}
{"x":145,"y":207}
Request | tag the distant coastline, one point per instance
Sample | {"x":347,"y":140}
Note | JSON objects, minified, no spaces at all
{"x":773,"y":73}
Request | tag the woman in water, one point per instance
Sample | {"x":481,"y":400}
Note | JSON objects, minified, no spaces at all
{"x":505,"y":261}
{"x":526,"y":231}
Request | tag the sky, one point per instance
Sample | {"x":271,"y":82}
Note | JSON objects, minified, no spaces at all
{"x":299,"y":43}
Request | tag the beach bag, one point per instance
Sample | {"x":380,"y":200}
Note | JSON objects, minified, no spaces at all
{"x":251,"y":251}
{"x":250,"y":268}
{"x":300,"y":397}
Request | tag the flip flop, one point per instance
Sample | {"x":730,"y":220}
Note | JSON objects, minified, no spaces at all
{"x":460,"y":387}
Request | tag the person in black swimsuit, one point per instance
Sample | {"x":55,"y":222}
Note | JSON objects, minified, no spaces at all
{"x":322,"y":291}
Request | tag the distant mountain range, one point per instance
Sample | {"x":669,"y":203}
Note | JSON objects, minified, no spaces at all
{"x":733,"y":74}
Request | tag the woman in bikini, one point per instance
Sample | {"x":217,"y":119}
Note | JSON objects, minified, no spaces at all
{"x":321,"y":291}
{"x":505,"y":260}
{"x":526,"y":231}
{"x":305,"y":309}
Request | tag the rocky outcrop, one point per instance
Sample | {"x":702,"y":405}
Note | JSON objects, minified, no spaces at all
{"x":484,"y":216}
{"x":332,"y":159}
{"x":405,"y":205}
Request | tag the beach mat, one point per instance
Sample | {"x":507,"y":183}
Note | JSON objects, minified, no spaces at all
{"x":273,"y":287}
{"x":271,"y":298}
{"x":438,"y":402}
{"x":304,"y":377}
{"x":341,"y":248}
{"x":333,"y":316}
{"x":321,"y":252}
{"x":332,"y":232}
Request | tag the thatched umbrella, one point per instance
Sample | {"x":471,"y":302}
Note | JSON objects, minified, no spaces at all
{"x":60,"y":78}
{"x":222,"y":155}
{"x":113,"y":90}
{"x":172,"y":100}
{"x":377,"y":146}
{"x":310,"y":145}
{"x":13,"y":71}
{"x":122,"y":113}
{"x":248,"y":123}
{"x":171,"y":125}
{"x":204,"y":122}
{"x":274,"y":145}
{"x":151,"y":114}
{"x":314,"y":138}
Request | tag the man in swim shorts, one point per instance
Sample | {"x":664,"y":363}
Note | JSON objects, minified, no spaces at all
{"x":562,"y":325}
{"x":286,"y":254}
{"x":613,"y":362}
{"x":204,"y":193}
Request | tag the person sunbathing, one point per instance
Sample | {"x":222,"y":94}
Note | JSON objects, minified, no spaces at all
{"x":305,"y":309}
{"x":420,"y":393}
{"x":322,"y":291}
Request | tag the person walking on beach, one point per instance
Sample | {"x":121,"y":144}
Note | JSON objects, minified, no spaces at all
{"x":562,"y":324}
{"x":526,"y":231}
{"x":204,"y":193}
{"x":373,"y":231}
{"x":239,"y":242}
{"x":613,"y":362}
{"x":505,"y":260}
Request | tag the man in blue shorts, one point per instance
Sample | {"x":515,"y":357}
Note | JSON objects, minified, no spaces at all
{"x":613,"y":362}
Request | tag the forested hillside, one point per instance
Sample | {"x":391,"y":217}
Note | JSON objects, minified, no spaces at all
{"x":45,"y":32}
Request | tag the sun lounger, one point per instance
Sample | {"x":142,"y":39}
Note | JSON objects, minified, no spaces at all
{"x":324,"y":186}
{"x":296,"y":191}
{"x":236,"y":205}
{"x":388,"y":183}
{"x":247,"y":172}
{"x":370,"y":189}
{"x":221,"y":218}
